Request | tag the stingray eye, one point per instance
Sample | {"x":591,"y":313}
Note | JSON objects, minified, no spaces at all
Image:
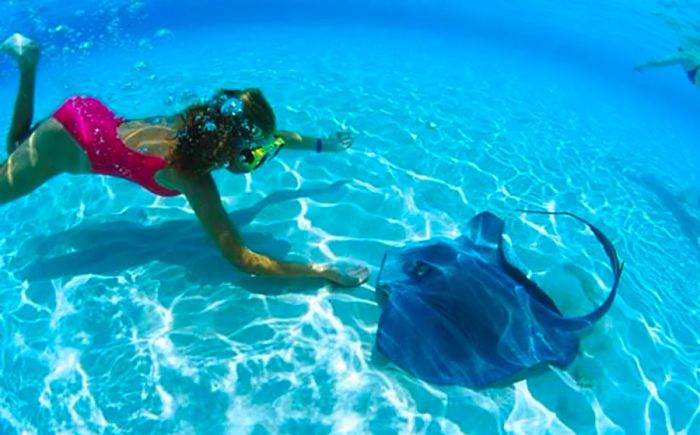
{"x":420,"y":269}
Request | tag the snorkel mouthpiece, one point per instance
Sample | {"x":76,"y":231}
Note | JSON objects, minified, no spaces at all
{"x":255,"y":155}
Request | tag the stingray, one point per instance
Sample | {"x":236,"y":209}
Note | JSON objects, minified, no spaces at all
{"x":458,"y":312}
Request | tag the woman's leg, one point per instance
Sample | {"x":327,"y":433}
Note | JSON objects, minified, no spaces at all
{"x":19,"y":177}
{"x":26,"y":53}
{"x":47,"y":152}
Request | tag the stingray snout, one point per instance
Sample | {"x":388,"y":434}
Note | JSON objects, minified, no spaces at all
{"x":384,"y":277}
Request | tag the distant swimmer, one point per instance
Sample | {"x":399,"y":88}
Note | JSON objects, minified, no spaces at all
{"x":687,"y":57}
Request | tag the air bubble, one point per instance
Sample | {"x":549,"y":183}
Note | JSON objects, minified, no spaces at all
{"x":164,"y":33}
{"x":232,"y":107}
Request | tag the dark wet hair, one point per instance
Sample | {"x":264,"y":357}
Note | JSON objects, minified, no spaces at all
{"x":209,"y":137}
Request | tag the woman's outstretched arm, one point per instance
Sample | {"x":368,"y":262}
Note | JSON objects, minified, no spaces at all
{"x":670,"y":61}
{"x":204,"y":198}
{"x":338,"y":141}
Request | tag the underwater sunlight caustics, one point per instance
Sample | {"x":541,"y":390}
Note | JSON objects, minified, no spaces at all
{"x":356,"y":217}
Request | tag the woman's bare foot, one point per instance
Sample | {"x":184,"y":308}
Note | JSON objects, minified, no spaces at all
{"x":22,"y":49}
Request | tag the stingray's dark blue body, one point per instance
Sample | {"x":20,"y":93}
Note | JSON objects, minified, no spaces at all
{"x":459,"y":314}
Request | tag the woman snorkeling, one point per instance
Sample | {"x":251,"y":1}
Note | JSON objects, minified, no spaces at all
{"x":168,"y":156}
{"x":688,"y":58}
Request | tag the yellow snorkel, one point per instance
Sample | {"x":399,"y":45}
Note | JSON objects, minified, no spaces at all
{"x":254,"y":156}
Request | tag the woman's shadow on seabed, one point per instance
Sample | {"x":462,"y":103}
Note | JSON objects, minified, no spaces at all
{"x":109,"y":248}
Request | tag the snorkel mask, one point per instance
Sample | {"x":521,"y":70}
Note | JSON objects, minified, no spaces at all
{"x":252,"y":146}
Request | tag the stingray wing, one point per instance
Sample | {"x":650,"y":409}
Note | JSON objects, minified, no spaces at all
{"x":484,"y":233}
{"x":426,"y":335}
{"x":447,"y":339}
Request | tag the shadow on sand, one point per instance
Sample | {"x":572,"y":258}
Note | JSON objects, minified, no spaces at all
{"x":109,"y":248}
{"x":689,"y":225}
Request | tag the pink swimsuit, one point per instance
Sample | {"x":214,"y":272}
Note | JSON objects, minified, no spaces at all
{"x":94,"y":127}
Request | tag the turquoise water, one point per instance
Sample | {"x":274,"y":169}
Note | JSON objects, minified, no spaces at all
{"x":117,"y":314}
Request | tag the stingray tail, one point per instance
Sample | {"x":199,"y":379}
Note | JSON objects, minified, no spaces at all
{"x":576,"y":323}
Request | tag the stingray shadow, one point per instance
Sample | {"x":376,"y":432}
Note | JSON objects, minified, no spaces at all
{"x":689,"y":225}
{"x":109,"y":248}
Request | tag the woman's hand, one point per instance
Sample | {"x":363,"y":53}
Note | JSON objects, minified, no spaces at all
{"x":338,"y":141}
{"x":347,"y":275}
